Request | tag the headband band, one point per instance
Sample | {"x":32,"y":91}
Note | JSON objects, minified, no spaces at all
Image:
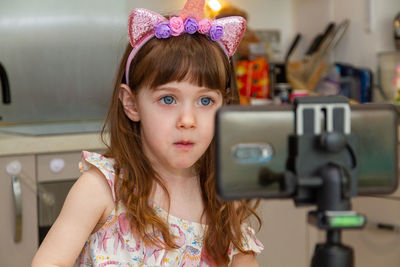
{"x":144,"y":24}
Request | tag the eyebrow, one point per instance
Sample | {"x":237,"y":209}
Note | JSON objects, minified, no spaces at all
{"x":167,"y":88}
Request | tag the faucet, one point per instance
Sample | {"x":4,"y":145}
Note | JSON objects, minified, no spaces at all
{"x":5,"y":86}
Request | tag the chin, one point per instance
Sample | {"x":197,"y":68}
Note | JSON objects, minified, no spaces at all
{"x":183,"y":164}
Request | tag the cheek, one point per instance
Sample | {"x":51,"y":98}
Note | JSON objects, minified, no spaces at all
{"x":209,"y":136}
{"x":152,"y":141}
{"x":156,"y":120}
{"x":208,"y":127}
{"x":155,"y":128}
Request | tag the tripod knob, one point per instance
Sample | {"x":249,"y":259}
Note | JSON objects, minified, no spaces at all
{"x":333,"y":141}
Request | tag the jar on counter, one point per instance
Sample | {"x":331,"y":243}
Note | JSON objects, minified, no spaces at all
{"x":282,"y":92}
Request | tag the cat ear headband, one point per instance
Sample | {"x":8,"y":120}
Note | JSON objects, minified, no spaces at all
{"x":144,"y":24}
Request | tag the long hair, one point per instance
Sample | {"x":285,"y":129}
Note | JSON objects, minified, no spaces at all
{"x":196,"y":59}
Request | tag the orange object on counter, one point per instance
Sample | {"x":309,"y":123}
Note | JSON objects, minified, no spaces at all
{"x":253,"y":78}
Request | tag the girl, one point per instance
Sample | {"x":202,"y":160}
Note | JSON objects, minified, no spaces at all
{"x":150,"y":199}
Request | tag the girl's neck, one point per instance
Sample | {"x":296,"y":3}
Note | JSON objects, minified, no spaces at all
{"x":176,"y":182}
{"x":184,"y":190}
{"x":185,"y":200}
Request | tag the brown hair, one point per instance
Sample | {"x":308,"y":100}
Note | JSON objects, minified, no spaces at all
{"x":186,"y":57}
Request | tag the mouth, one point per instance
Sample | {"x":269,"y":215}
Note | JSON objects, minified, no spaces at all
{"x":184,"y":144}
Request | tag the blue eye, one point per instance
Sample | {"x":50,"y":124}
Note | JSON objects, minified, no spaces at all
{"x":205,"y":101}
{"x":168,"y":100}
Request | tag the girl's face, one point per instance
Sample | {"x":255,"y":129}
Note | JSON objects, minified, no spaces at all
{"x":177,"y":124}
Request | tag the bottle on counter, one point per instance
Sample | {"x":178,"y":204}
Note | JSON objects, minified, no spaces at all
{"x":396,"y":31}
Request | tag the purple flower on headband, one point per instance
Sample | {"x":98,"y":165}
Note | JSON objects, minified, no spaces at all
{"x":216,"y":32}
{"x":163,"y":30}
{"x":191,"y":25}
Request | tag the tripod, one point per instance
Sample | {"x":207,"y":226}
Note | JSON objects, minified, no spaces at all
{"x":322,"y":170}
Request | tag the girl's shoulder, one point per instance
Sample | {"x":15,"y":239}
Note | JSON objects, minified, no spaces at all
{"x":249,"y":241}
{"x":102,"y":164}
{"x":100,"y":170}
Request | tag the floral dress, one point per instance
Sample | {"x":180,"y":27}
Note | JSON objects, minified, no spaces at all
{"x":115,"y":245}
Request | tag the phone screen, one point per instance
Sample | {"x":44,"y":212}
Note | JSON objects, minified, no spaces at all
{"x":373,"y":125}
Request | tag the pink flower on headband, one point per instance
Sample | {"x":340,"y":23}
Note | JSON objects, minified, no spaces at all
{"x":163,"y":30}
{"x":216,"y":32}
{"x":191,"y":25}
{"x":204,"y":26}
{"x":176,"y":24}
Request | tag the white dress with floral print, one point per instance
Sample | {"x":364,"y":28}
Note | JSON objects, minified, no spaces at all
{"x":115,"y":245}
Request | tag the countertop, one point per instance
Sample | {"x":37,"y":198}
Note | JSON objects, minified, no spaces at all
{"x":18,"y":144}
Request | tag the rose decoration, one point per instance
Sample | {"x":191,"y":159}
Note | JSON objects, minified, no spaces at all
{"x":216,"y":32}
{"x":176,"y":24}
{"x":163,"y":30}
{"x":191,"y":25}
{"x":204,"y":26}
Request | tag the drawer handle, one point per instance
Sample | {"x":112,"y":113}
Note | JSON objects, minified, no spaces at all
{"x":17,"y":194}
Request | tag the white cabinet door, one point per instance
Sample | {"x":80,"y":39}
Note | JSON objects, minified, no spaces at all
{"x":284,"y":234}
{"x":18,"y":253}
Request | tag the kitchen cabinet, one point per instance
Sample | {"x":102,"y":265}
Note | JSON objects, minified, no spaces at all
{"x":46,"y":162}
{"x":18,"y":253}
{"x":45,"y":180}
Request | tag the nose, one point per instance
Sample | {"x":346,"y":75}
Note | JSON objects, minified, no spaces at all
{"x":187,"y":118}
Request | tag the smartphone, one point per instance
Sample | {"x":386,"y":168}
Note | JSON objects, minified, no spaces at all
{"x":374,"y":126}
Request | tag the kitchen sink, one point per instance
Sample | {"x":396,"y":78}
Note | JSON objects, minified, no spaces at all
{"x":54,"y":128}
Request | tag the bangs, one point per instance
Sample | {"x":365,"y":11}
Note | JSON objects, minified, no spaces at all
{"x":193,"y":58}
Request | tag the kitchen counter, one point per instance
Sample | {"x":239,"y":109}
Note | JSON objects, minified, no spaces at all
{"x":17,"y":144}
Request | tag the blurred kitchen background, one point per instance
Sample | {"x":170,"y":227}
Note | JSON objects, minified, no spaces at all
{"x":58,"y":60}
{"x":60,"y":57}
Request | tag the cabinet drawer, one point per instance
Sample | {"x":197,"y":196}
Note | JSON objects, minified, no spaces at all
{"x":18,"y":253}
{"x":58,"y":166}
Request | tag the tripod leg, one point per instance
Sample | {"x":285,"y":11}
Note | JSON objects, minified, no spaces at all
{"x":332,"y":253}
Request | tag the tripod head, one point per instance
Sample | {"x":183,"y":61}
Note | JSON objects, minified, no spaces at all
{"x":322,"y":170}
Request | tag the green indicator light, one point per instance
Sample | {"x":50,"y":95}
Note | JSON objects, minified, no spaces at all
{"x":347,"y":221}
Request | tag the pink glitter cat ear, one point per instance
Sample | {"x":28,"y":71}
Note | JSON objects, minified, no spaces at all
{"x":144,"y":24}
{"x":141,"y":24}
{"x":234,"y":28}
